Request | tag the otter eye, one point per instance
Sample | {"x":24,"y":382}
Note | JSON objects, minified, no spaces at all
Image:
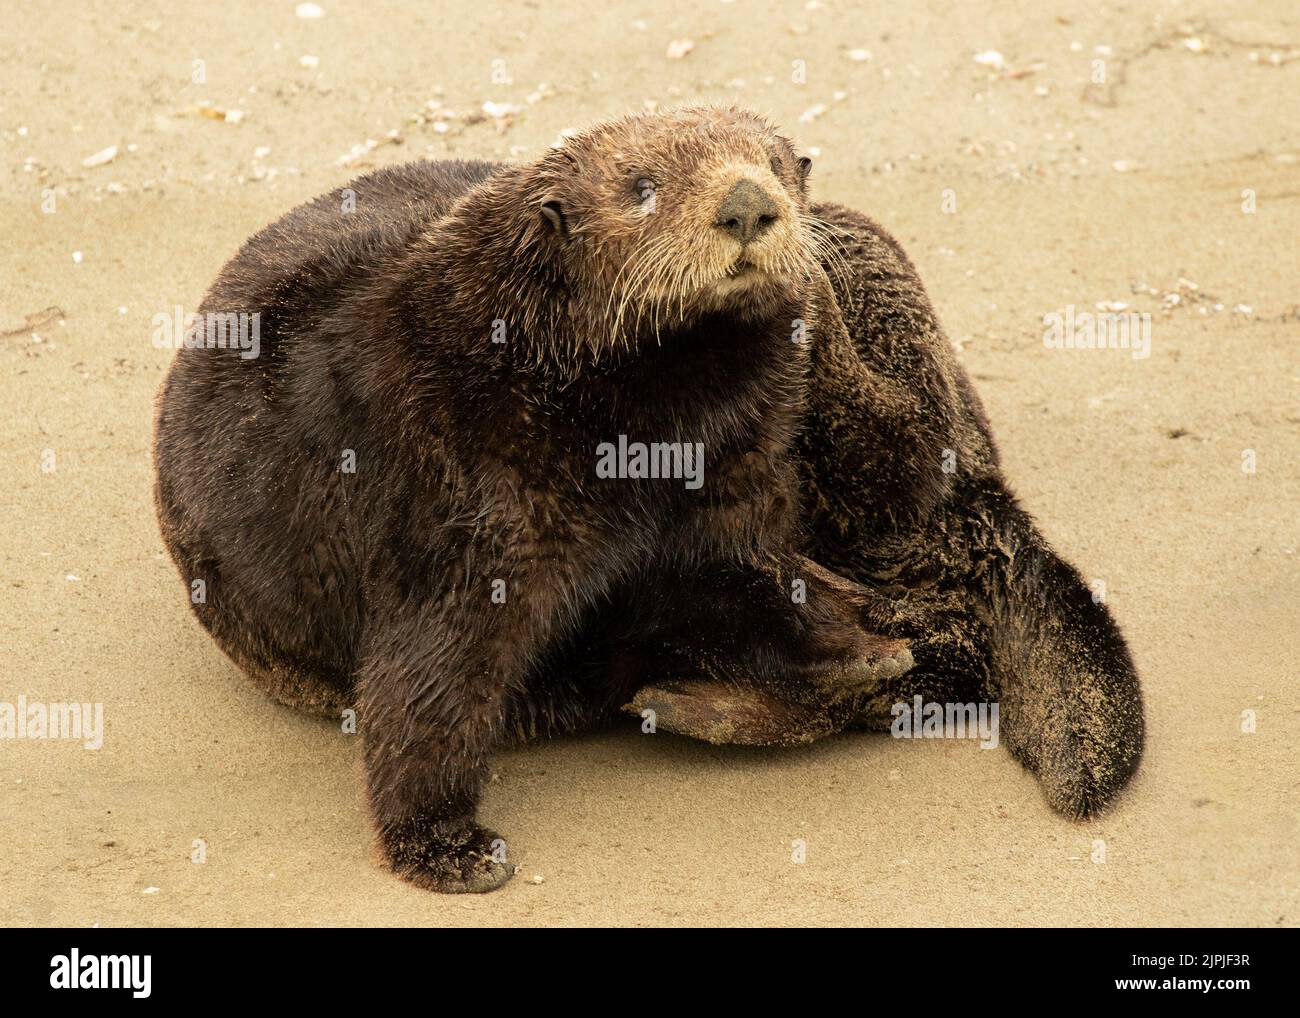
{"x":644,"y":188}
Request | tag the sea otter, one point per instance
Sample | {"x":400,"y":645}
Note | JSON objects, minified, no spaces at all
{"x":404,"y":503}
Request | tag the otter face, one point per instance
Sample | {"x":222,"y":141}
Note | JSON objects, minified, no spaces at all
{"x":673,"y":215}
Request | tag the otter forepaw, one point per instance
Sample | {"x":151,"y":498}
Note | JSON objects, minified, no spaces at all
{"x":462,"y":860}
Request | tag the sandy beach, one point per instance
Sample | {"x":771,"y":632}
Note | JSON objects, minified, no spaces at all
{"x":144,"y":142}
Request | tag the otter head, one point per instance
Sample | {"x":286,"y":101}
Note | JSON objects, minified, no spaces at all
{"x":657,"y":219}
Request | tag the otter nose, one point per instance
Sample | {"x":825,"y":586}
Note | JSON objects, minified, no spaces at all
{"x":746,"y":212}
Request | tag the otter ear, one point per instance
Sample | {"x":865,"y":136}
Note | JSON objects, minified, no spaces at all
{"x":805,"y":168}
{"x":554,"y":216}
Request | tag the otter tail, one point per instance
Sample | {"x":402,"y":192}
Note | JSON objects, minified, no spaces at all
{"x":1069,"y":702}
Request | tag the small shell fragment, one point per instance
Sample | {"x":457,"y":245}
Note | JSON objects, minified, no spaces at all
{"x":104,"y":155}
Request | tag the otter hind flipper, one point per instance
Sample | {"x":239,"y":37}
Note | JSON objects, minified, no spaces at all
{"x":727,"y":714}
{"x":811,"y":705}
{"x":905,"y":485}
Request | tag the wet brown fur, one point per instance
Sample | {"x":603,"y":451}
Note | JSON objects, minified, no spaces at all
{"x":475,"y":463}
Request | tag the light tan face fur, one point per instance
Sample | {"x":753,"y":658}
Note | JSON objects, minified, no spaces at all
{"x":658,"y":250}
